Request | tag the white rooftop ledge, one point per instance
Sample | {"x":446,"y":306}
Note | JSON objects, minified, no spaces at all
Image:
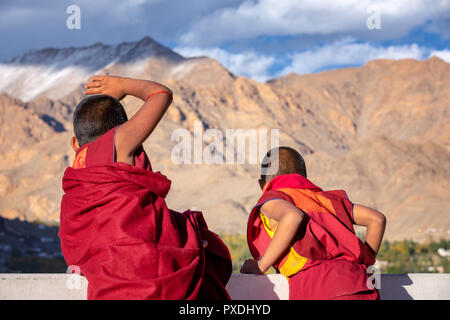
{"x":414,"y":286}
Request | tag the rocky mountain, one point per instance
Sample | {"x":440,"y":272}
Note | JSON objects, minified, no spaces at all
{"x":55,"y":72}
{"x":381,"y":132}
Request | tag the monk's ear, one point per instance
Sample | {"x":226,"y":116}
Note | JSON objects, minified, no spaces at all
{"x":262,"y":184}
{"x":75,"y":144}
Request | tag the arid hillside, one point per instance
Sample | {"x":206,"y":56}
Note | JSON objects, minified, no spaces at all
{"x":381,"y":132}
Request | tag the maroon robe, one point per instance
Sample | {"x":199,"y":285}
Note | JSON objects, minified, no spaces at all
{"x":116,"y":226}
{"x":329,"y":261}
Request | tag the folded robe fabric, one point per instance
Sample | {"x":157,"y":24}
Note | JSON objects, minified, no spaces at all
{"x":116,"y":227}
{"x":326,"y":259}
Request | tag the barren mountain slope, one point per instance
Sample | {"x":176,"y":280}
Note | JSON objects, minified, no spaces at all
{"x":381,"y":132}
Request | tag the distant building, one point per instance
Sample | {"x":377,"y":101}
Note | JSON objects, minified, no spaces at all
{"x":439,"y":269}
{"x":443,"y":252}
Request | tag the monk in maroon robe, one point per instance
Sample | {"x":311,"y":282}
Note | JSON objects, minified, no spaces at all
{"x":307,"y":234}
{"x":115,"y":225}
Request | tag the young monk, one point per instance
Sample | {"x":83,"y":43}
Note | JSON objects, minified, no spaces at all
{"x":115,"y":225}
{"x":307,"y":234}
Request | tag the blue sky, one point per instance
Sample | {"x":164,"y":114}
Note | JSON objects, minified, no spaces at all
{"x":260,"y":39}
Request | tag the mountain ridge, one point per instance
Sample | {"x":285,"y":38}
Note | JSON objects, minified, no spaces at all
{"x":381,"y":132}
{"x":121,"y":51}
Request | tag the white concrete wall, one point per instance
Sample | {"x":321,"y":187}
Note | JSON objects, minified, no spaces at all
{"x":241,"y":287}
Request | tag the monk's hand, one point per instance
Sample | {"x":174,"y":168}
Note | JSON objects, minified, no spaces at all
{"x":110,"y":85}
{"x":251,"y":266}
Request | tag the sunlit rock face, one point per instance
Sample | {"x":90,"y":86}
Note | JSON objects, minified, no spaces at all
{"x":381,"y":131}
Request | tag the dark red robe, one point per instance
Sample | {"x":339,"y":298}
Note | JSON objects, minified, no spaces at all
{"x":329,"y":261}
{"x":116,"y":226}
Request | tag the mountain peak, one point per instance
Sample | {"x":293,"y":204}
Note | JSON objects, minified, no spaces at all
{"x":146,"y":40}
{"x":56,"y":71}
{"x":147,"y":47}
{"x":96,"y":55}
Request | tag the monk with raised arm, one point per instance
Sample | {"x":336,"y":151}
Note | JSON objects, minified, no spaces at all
{"x":115,"y":226}
{"x":307,"y":234}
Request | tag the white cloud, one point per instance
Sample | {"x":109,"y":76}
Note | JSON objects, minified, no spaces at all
{"x":443,"y":54}
{"x":342,"y":53}
{"x":314,"y":17}
{"x":248,"y":63}
{"x":348,"y":52}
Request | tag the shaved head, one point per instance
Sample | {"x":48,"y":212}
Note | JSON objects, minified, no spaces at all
{"x":95,"y":115}
{"x":288,"y":159}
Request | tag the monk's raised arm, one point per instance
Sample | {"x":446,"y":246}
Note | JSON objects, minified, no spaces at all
{"x":135,"y":131}
{"x":375,"y":222}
